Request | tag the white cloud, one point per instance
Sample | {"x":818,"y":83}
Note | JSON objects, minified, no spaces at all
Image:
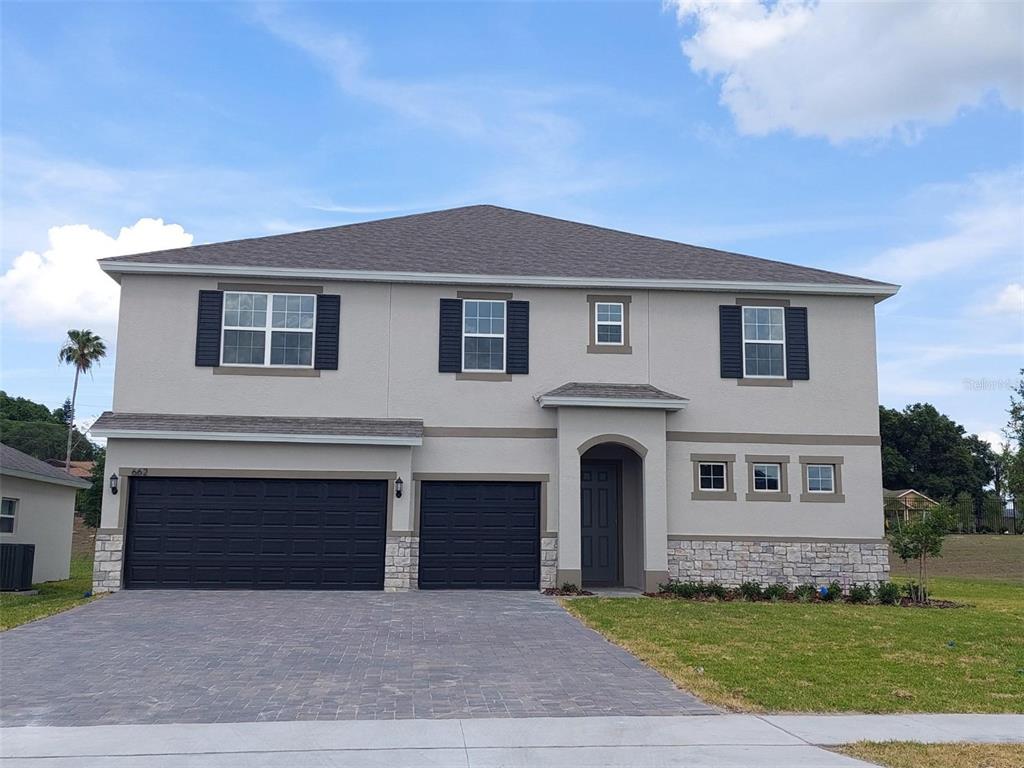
{"x":848,"y":70}
{"x":63,"y":287}
{"x":1009,"y":301}
{"x":987,"y":223}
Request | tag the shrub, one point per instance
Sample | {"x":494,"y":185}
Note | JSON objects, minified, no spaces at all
{"x":805,"y":593}
{"x":716,"y":590}
{"x":751,"y":590}
{"x":686,"y":589}
{"x":888,"y":593}
{"x":860,"y":593}
{"x":570,"y":589}
{"x":775,"y":592}
{"x":832,"y":593}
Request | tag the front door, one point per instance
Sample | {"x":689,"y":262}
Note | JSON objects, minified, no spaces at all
{"x":599,"y":516}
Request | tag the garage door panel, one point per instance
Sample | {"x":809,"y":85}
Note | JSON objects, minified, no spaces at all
{"x":479,"y":535}
{"x":256,"y":533}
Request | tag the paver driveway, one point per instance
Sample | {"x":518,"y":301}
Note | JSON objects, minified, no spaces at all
{"x":182,"y":657}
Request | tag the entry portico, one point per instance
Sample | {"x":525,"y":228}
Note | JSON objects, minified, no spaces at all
{"x":612,"y":532}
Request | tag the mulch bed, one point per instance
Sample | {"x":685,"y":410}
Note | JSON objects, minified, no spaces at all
{"x":559,"y":592}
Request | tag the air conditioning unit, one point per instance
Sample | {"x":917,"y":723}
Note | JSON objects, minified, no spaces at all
{"x":16,"y":561}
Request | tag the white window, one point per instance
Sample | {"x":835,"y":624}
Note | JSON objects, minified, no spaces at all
{"x":8,"y":511}
{"x":608,"y":323}
{"x":712,"y":476}
{"x":764,"y":342}
{"x":483,"y":335}
{"x":821,"y":478}
{"x":767,"y":477}
{"x":289,"y":319}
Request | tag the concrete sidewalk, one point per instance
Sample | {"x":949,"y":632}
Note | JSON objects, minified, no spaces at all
{"x":719,"y":741}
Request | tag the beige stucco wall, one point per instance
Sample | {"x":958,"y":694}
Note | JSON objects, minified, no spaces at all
{"x":45,"y":517}
{"x":860,"y":516}
{"x":388,"y":353}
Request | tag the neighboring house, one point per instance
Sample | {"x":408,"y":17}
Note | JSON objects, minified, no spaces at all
{"x":80,"y":469}
{"x":904,"y":502}
{"x":38,"y":507}
{"x":481,"y":397}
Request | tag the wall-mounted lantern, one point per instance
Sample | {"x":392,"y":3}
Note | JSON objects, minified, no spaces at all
{"x":398,"y":488}
{"x":113,"y":484}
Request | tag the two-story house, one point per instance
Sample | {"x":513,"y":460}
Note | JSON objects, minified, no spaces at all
{"x":484,"y":398}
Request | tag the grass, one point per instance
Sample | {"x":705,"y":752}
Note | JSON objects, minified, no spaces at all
{"x":53,"y":597}
{"x":903,"y":754}
{"x":832,"y":657}
{"x":990,"y":557}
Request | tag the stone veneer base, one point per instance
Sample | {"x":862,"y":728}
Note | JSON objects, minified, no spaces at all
{"x":107,"y":562}
{"x":401,"y":563}
{"x":731,"y":562}
{"x":548,"y":562}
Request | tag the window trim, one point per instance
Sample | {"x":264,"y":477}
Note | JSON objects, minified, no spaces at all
{"x":765,"y":495}
{"x":837,"y":495}
{"x":620,"y":324}
{"x":13,"y":517}
{"x":743,"y":336}
{"x":729,"y":493}
{"x":268,"y":329}
{"x":607,"y":347}
{"x":503,"y":336}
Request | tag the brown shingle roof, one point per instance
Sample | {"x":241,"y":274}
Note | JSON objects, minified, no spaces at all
{"x":613,"y":391}
{"x":486,"y":240}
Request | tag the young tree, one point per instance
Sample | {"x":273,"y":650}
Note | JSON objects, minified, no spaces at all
{"x":919,"y":539}
{"x":1013,"y":472}
{"x":81,"y":349}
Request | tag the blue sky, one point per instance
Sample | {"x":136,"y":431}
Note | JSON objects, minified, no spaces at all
{"x":878,"y":139}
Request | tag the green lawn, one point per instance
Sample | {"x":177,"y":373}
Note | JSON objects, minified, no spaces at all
{"x":832,"y":657}
{"x":903,"y":754}
{"x":53,"y":597}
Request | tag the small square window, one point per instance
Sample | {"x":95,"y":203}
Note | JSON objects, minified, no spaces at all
{"x":767,"y":477}
{"x":821,"y":478}
{"x":8,"y":511}
{"x":712,"y":477}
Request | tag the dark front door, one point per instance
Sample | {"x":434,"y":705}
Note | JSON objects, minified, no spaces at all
{"x":250,"y":533}
{"x":599,"y":514}
{"x":479,"y":535}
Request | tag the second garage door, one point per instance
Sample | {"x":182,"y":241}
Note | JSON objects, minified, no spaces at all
{"x":479,"y":535}
{"x":248,"y":533}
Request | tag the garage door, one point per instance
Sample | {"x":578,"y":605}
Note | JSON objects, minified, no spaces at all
{"x":246,"y":533}
{"x":479,"y":535}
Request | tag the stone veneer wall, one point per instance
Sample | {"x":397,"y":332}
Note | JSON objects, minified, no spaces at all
{"x":548,"y":562}
{"x":401,"y":563}
{"x":108,"y":560}
{"x":732,"y":562}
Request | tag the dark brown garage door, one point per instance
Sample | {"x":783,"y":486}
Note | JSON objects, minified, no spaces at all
{"x":247,"y":533}
{"x":479,"y":535}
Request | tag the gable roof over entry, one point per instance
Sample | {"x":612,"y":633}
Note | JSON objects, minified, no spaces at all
{"x":486,"y":244}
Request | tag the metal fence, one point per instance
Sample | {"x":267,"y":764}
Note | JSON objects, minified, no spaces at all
{"x":988,"y":515}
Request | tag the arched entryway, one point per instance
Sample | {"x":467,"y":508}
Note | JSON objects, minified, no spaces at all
{"x":611,"y":513}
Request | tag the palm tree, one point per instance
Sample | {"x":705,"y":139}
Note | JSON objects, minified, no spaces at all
{"x":81,"y":349}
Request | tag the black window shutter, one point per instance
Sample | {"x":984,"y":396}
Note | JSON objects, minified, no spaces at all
{"x":328,"y":323}
{"x":797,"y":357}
{"x":517,"y":355}
{"x":449,"y":343}
{"x":208,"y":325}
{"x":730,"y":340}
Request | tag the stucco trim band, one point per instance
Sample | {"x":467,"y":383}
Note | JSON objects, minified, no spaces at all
{"x":498,"y":432}
{"x":769,"y":438}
